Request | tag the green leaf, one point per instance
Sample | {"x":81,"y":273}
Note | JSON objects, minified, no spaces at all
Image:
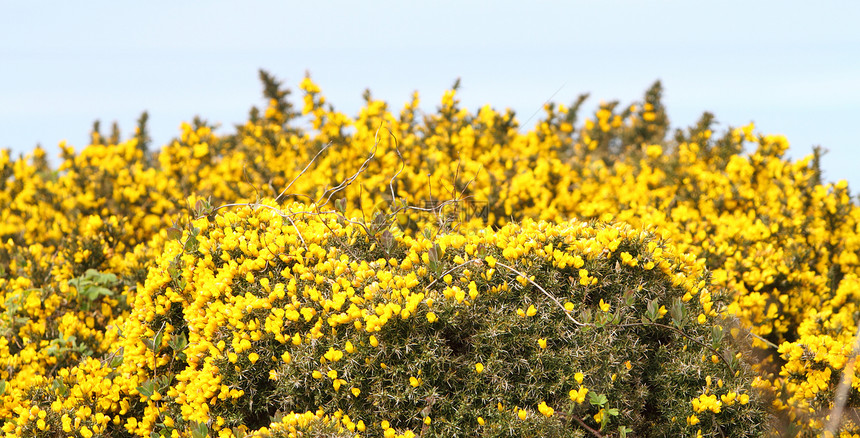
{"x":387,"y":240}
{"x":678,"y":312}
{"x":116,"y":358}
{"x":199,"y":430}
{"x":340,"y":206}
{"x":92,"y":285}
{"x":156,"y":342}
{"x":147,"y":388}
{"x":95,"y":276}
{"x":629,"y":297}
{"x":173,"y":271}
{"x":378,"y":221}
{"x":178,"y":343}
{"x":653,"y":308}
{"x":116,"y":361}
{"x":191,"y":243}
{"x":174,"y":233}
{"x":597,"y":399}
{"x":734,"y":362}
{"x":60,"y":388}
{"x":716,"y":335}
{"x":163,"y":381}
{"x":587,"y":317}
{"x":93,"y":292}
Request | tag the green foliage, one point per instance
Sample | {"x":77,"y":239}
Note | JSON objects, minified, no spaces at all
{"x":93,"y":285}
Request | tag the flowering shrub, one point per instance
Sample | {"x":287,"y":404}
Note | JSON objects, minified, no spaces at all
{"x":434,"y":274}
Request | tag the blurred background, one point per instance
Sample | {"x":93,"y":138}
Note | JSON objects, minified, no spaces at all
{"x":791,"y":67}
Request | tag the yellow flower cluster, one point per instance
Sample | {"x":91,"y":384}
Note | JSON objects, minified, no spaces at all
{"x":755,"y":238}
{"x":578,"y":395}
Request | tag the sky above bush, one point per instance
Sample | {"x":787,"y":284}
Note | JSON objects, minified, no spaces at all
{"x":784,"y":65}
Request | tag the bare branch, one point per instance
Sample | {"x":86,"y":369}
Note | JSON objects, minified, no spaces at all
{"x":585,"y":426}
{"x":460,"y":266}
{"x":324,"y":148}
{"x":842,"y":390}
{"x":402,"y":166}
{"x":566,"y":312}
{"x":297,"y":231}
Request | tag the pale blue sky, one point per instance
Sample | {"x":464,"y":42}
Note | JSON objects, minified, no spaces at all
{"x":793,"y":67}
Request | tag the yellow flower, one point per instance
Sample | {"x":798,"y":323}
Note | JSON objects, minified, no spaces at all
{"x":578,"y":377}
{"x":522,"y":414}
{"x":333,"y":355}
{"x":431,"y":317}
{"x":604,"y":306}
{"x":628,"y":259}
{"x":707,"y":403}
{"x":578,"y":395}
{"x":542,"y":342}
{"x":532,"y":311}
{"x":598,"y":417}
{"x":545,"y":410}
{"x":655,"y":150}
{"x":479,"y":367}
{"x":728,"y":399}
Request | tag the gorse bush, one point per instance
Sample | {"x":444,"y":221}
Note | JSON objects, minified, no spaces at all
{"x":447,"y":337}
{"x":442,"y":274}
